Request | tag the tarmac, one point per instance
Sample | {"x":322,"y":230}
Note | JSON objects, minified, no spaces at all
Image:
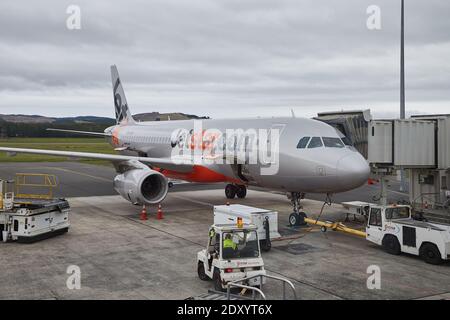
{"x":122,"y":257}
{"x":77,"y":179}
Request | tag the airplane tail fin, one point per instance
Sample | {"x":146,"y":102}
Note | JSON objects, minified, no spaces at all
{"x":123,"y":114}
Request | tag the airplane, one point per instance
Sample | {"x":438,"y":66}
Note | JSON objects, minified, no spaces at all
{"x":304,"y":156}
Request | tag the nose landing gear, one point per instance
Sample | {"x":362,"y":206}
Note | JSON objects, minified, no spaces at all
{"x":233,"y":190}
{"x":297,"y":218}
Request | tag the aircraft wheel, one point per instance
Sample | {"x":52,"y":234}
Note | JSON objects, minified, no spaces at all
{"x":294,"y":219}
{"x":241,"y":191}
{"x":297,"y":219}
{"x":230,"y":191}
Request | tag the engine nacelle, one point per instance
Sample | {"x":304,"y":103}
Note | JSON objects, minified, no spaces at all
{"x":141,"y":186}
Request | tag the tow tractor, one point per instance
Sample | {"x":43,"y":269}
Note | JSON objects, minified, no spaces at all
{"x":392,"y":227}
{"x":395,"y":229}
{"x":232,"y":253}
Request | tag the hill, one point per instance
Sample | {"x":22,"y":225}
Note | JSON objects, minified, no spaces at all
{"x":21,"y":125}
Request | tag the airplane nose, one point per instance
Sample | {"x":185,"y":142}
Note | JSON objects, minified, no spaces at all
{"x":352,"y":171}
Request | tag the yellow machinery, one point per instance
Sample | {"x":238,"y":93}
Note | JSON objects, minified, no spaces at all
{"x":28,"y":209}
{"x":25,"y":188}
{"x":336,"y":226}
{"x":36,"y":182}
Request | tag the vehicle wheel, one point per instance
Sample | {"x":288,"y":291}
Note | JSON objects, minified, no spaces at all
{"x":265,"y":246}
{"x":430,"y":253}
{"x":230,"y":191}
{"x":217,"y":281}
{"x":201,"y":271}
{"x":241,"y":191}
{"x":391,"y":245}
{"x":323,"y":229}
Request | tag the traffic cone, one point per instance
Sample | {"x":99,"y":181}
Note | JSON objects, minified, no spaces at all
{"x":144,"y":213}
{"x":159,"y":215}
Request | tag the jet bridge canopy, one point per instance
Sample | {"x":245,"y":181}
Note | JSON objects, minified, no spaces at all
{"x":352,"y":124}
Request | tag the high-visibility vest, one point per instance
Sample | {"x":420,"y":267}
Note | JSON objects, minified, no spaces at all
{"x":228,"y":243}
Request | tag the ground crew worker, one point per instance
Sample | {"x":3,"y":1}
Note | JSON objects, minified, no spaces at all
{"x":228,"y":243}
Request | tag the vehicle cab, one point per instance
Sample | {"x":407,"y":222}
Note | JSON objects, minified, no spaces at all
{"x":232,"y":253}
{"x":382,"y":220}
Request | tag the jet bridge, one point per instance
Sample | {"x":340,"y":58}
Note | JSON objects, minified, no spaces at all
{"x":352,"y":124}
{"x":420,"y":145}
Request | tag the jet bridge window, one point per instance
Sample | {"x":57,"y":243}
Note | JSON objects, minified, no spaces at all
{"x":330,"y":142}
{"x":315,"y":142}
{"x":303,"y":143}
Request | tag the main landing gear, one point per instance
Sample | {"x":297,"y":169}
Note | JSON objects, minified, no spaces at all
{"x":297,"y":218}
{"x":233,"y":190}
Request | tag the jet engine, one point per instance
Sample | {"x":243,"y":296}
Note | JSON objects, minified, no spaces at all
{"x":141,"y":186}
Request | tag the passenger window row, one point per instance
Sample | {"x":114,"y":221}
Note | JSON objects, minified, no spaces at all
{"x":317,"y":142}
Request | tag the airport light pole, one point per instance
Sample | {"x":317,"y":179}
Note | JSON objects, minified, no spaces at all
{"x":402,"y":64}
{"x":402,"y":82}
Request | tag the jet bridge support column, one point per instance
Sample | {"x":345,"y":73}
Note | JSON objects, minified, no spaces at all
{"x":384,"y":186}
{"x":383,"y":173}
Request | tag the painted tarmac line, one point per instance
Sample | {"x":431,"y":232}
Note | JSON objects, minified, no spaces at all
{"x":74,"y":172}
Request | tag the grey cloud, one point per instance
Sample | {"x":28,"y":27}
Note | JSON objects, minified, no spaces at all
{"x":198,"y":56}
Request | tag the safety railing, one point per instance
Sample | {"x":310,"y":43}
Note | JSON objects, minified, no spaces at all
{"x":38,"y":182}
{"x":237,"y":285}
{"x":429,"y":202}
{"x":259,"y":290}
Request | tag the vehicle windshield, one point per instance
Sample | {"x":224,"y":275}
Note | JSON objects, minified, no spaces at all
{"x":240,"y":244}
{"x":397,"y":213}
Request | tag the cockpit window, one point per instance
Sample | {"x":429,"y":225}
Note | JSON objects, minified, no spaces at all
{"x":346,"y":141}
{"x":315,"y":142}
{"x":302,"y":143}
{"x":330,"y":142}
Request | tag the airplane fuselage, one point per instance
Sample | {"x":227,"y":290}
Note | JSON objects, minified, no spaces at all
{"x":322,"y":165}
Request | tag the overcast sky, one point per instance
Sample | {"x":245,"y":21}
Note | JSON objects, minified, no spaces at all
{"x":227,"y":58}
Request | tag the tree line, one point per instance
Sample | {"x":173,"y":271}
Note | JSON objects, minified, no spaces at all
{"x":31,"y":130}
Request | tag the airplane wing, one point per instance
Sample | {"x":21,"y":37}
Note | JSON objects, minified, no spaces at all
{"x":81,"y":132}
{"x":179,"y":165}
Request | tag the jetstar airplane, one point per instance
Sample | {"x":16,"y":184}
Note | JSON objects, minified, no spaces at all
{"x":293,"y":155}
